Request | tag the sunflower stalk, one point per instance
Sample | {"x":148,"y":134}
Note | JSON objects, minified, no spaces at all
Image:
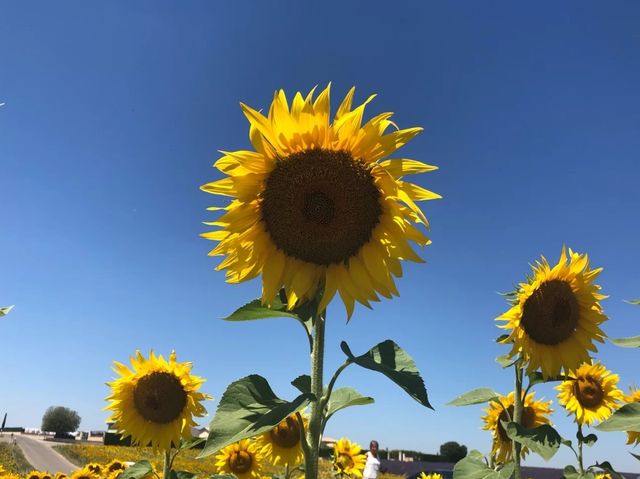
{"x":580,"y":442}
{"x":166,"y":470}
{"x":314,"y":431}
{"x":517,"y":418}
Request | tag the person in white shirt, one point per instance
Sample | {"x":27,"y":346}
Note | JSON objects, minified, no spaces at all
{"x":372,"y":466}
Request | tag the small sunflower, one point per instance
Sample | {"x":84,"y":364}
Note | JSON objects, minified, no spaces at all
{"x":46,"y":475}
{"x":95,"y":468}
{"x":604,"y":475}
{"x":243,"y":459}
{"x":633,"y":437}
{"x":116,"y":465}
{"x":156,"y":400}
{"x":84,"y":473}
{"x":319,"y":206}
{"x":61,"y":475}
{"x":590,"y":393}
{"x":348,"y":458}
{"x":556,"y":315}
{"x":282,"y":444}
{"x":433,"y":475}
{"x":34,"y":475}
{"x":534,"y":414}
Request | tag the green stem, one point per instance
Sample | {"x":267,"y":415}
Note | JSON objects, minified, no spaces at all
{"x":314,"y":432}
{"x":166,"y":473}
{"x":517,"y":418}
{"x":327,"y":394}
{"x":580,"y":436}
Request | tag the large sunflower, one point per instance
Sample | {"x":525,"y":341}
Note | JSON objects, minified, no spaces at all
{"x":556,"y":315}
{"x":155,"y":401}
{"x":282,"y":444}
{"x":633,"y":437}
{"x":243,"y":459}
{"x":534,"y":414}
{"x":348,"y":458}
{"x":318,"y":205}
{"x":590,"y":393}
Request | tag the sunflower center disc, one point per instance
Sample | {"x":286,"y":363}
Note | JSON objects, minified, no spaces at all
{"x":287,"y":433}
{"x":550,"y":315}
{"x":320,"y":206}
{"x":159,"y":397}
{"x":240,"y":462}
{"x":528,"y":418}
{"x":588,"y":391}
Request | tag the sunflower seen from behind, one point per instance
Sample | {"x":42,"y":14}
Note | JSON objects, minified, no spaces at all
{"x":591,"y":394}
{"x":281,"y":445}
{"x":320,"y":205}
{"x":535,"y":413}
{"x":348,"y":459}
{"x":633,"y":437}
{"x":556,"y":315}
{"x":156,"y":400}
{"x":244,"y":459}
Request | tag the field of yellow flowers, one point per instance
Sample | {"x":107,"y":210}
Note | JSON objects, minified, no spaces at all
{"x":12,"y":460}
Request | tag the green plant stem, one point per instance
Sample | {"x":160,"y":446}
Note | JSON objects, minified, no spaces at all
{"x":517,"y":418}
{"x":314,"y":431}
{"x":580,"y":462}
{"x":166,"y":473}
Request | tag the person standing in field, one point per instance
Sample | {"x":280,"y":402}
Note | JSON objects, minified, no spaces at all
{"x":372,"y":466}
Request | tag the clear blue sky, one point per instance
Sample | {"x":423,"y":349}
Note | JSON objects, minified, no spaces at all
{"x":114,"y":112}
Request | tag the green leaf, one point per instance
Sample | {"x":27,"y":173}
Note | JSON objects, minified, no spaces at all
{"x":474,"y":466}
{"x":505,"y":361}
{"x":346,"y":397}
{"x":543,"y":440}
{"x":634,"y":301}
{"x":391,"y":360}
{"x":139,"y":470}
{"x":477,"y":396}
{"x":247,"y":408}
{"x":256,"y":310}
{"x":631,"y":342}
{"x":302,"y":383}
{"x":570,"y":472}
{"x":502,"y":338}
{"x":182,"y":475}
{"x":606,"y":466}
{"x":536,"y":377}
{"x":635,"y":455}
{"x":190,"y":443}
{"x":627,"y":418}
{"x":221,"y":476}
{"x":589,"y":439}
{"x":5,"y":310}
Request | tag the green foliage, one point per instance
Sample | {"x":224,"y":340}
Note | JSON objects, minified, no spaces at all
{"x":4,"y":311}
{"x":139,"y":470}
{"x":543,"y":440}
{"x":475,"y":466}
{"x":627,"y":418}
{"x":452,"y":451}
{"x":476,"y":396}
{"x":184,"y":475}
{"x":345,"y":397}
{"x":60,"y":420}
{"x":536,"y":377}
{"x":634,"y":301}
{"x":391,"y":360}
{"x":631,"y":342}
{"x":247,"y":408}
{"x":302,"y":383}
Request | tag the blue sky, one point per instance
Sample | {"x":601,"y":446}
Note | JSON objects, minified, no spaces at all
{"x":114,"y":114}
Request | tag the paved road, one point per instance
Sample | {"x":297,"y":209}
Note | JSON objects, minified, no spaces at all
{"x":42,"y":457}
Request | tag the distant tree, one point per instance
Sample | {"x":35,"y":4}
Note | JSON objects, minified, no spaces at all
{"x":453,"y":451}
{"x":60,"y":420}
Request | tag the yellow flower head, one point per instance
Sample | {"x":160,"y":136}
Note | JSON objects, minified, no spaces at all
{"x":45,"y":475}
{"x":116,"y":465}
{"x":34,"y":475}
{"x":282,"y":444}
{"x":590,"y":393}
{"x":84,"y":473}
{"x":348,"y":458}
{"x":60,"y":475}
{"x":556,"y":315}
{"x":155,"y":401}
{"x":95,"y":468}
{"x":243,"y":459}
{"x":534,"y":414}
{"x":433,"y":475}
{"x":319,"y":205}
{"x":633,"y":437}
